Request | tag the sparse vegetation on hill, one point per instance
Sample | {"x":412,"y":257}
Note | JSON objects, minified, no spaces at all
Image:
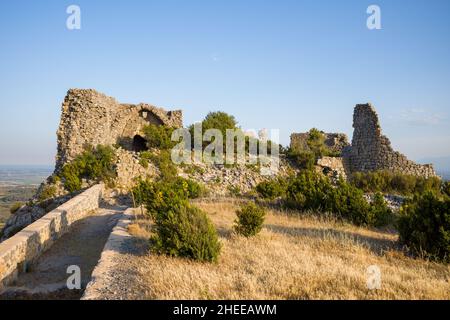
{"x":389,"y":182}
{"x":312,"y":191}
{"x":93,"y":164}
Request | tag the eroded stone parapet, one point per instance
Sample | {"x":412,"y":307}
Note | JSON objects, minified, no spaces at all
{"x":28,"y":244}
{"x":335,"y":142}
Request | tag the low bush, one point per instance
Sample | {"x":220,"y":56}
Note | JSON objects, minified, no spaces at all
{"x":186,"y":231}
{"x":15,"y":207}
{"x":180,"y":228}
{"x":424,"y":226}
{"x":250,"y":219}
{"x":304,"y":159}
{"x":165,"y":195}
{"x":446,"y":188}
{"x":93,"y":164}
{"x":382,"y":215}
{"x":312,"y":191}
{"x":272,"y":189}
{"x":159,"y":136}
{"x":389,"y":182}
{"x":144,"y":158}
{"x":47,"y":192}
{"x":234,"y":191}
{"x":163,"y":162}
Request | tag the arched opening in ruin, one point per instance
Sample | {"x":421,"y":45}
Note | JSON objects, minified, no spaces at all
{"x":139,"y":143}
{"x":150,"y":117}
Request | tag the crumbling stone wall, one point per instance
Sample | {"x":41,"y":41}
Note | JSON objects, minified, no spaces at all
{"x":371,"y":151}
{"x":336,"y":142}
{"x":90,"y":117}
{"x":332,"y":166}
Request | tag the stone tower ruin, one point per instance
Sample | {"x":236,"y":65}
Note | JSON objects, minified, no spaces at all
{"x":370,"y":150}
{"x":91,"y":118}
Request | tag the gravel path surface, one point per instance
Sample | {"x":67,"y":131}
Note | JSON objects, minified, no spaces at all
{"x":116,"y":277}
{"x":82,"y":246}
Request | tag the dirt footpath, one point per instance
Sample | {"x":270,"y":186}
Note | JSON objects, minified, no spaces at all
{"x":82,"y":246}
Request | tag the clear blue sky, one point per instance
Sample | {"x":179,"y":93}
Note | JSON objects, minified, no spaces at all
{"x":290,"y":65}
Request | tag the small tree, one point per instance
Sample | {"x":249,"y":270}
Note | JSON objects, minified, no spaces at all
{"x":250,"y":219}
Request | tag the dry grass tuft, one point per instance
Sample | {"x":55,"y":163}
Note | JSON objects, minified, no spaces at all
{"x":294,"y":257}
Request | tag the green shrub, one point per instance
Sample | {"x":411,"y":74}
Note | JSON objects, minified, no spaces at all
{"x":424,"y":226}
{"x":163,"y":162}
{"x":144,"y":158}
{"x":219,"y":120}
{"x":159,"y":136}
{"x":234,"y":191}
{"x":15,"y":207}
{"x":446,"y":188}
{"x":250,"y":219}
{"x":47,"y":192}
{"x":313,"y":191}
{"x":216,"y":120}
{"x":382,"y":215}
{"x":389,"y":182}
{"x":186,"y":231}
{"x":162,"y":196}
{"x":316,"y":143}
{"x":304,"y":159}
{"x":271,"y":189}
{"x":93,"y":164}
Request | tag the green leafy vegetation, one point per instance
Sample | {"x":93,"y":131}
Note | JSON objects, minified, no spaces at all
{"x":272,"y":189}
{"x":47,"y":192}
{"x":446,"y":188}
{"x":163,"y":162}
{"x":93,"y":164}
{"x":424,"y":226}
{"x":304,"y":159}
{"x":186,"y":231}
{"x":181,"y":229}
{"x":16,"y":206}
{"x":250,"y":219}
{"x":389,"y":182}
{"x":217,"y":120}
{"x":234,"y":191}
{"x":315,"y":148}
{"x":312,"y":191}
{"x":159,"y":136}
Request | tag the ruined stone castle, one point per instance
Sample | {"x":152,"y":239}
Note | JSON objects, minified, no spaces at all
{"x":369,"y":150}
{"x":91,"y":118}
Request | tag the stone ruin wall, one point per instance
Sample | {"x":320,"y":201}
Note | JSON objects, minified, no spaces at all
{"x":371,"y":151}
{"x":90,"y":117}
{"x":336,"y":142}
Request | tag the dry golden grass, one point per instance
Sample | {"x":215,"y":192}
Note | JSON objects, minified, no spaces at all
{"x":294,"y":257}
